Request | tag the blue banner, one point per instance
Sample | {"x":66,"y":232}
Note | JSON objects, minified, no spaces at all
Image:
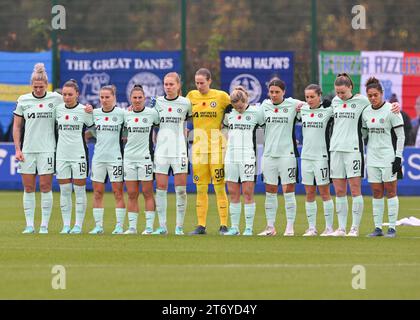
{"x":254,"y":70}
{"x":409,"y":186}
{"x":120,"y":68}
{"x":15,"y":78}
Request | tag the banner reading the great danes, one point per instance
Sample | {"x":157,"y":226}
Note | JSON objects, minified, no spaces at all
{"x":399,"y":73}
{"x":120,"y":68}
{"x":254,"y":70}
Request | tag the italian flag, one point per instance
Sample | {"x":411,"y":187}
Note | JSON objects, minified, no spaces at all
{"x":399,"y":73}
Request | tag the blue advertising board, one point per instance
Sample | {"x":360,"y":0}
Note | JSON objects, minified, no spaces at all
{"x":120,"y":68}
{"x":409,"y":186}
{"x":254,"y":70}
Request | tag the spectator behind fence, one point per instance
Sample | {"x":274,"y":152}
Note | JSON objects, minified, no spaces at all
{"x":408,"y":129}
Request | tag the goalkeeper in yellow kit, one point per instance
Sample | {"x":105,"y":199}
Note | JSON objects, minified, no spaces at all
{"x":208,"y":108}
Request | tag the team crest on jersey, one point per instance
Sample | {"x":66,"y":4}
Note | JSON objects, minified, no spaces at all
{"x":213,"y":104}
{"x":320,"y":115}
{"x":50,"y":105}
{"x":382,"y":120}
{"x":114,"y":119}
{"x":196,"y":178}
{"x":75,"y":118}
{"x":179,"y":110}
{"x":248,"y":118}
{"x":285,"y":110}
{"x":353,"y":105}
{"x":144,"y":120}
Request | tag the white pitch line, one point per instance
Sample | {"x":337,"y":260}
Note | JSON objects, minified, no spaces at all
{"x":224,"y":266}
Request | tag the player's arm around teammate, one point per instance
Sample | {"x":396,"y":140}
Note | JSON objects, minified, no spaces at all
{"x":138,"y":159}
{"x":383,"y":161}
{"x":72,"y":156}
{"x":279,"y":162}
{"x":171,"y":151}
{"x":317,"y":120}
{"x":347,"y":157}
{"x":240,"y":159}
{"x":208,"y":108}
{"x":107,"y":159}
{"x":35,"y":112}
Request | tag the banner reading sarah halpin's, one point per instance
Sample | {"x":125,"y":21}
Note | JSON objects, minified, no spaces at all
{"x":254,"y":70}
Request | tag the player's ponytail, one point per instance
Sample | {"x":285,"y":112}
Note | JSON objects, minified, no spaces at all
{"x":111,"y":88}
{"x":204,"y":72}
{"x":277,"y":82}
{"x":72,"y":84}
{"x":39,"y":73}
{"x":239,"y":94}
{"x":373,"y":83}
{"x":315,"y":88}
{"x":137,"y":87}
{"x":343,"y":79}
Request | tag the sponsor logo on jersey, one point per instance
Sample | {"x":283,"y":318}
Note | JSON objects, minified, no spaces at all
{"x":250,"y":83}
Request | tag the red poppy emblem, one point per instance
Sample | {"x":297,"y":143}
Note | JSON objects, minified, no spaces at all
{"x":276,"y":110}
{"x":204,"y":103}
{"x":41,"y":105}
{"x":136,"y":120}
{"x":373,"y":120}
{"x":170,"y":109}
{"x":312,"y":115}
{"x":239,"y":117}
{"x":344,"y":106}
{"x":106,"y":118}
{"x":67,"y":117}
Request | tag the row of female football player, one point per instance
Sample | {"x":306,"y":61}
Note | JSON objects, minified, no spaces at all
{"x":340,"y":158}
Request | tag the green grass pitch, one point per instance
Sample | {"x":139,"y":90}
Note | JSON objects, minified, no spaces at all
{"x":205,"y":267}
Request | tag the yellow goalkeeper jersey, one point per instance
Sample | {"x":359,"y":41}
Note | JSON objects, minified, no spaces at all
{"x":208,"y":111}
